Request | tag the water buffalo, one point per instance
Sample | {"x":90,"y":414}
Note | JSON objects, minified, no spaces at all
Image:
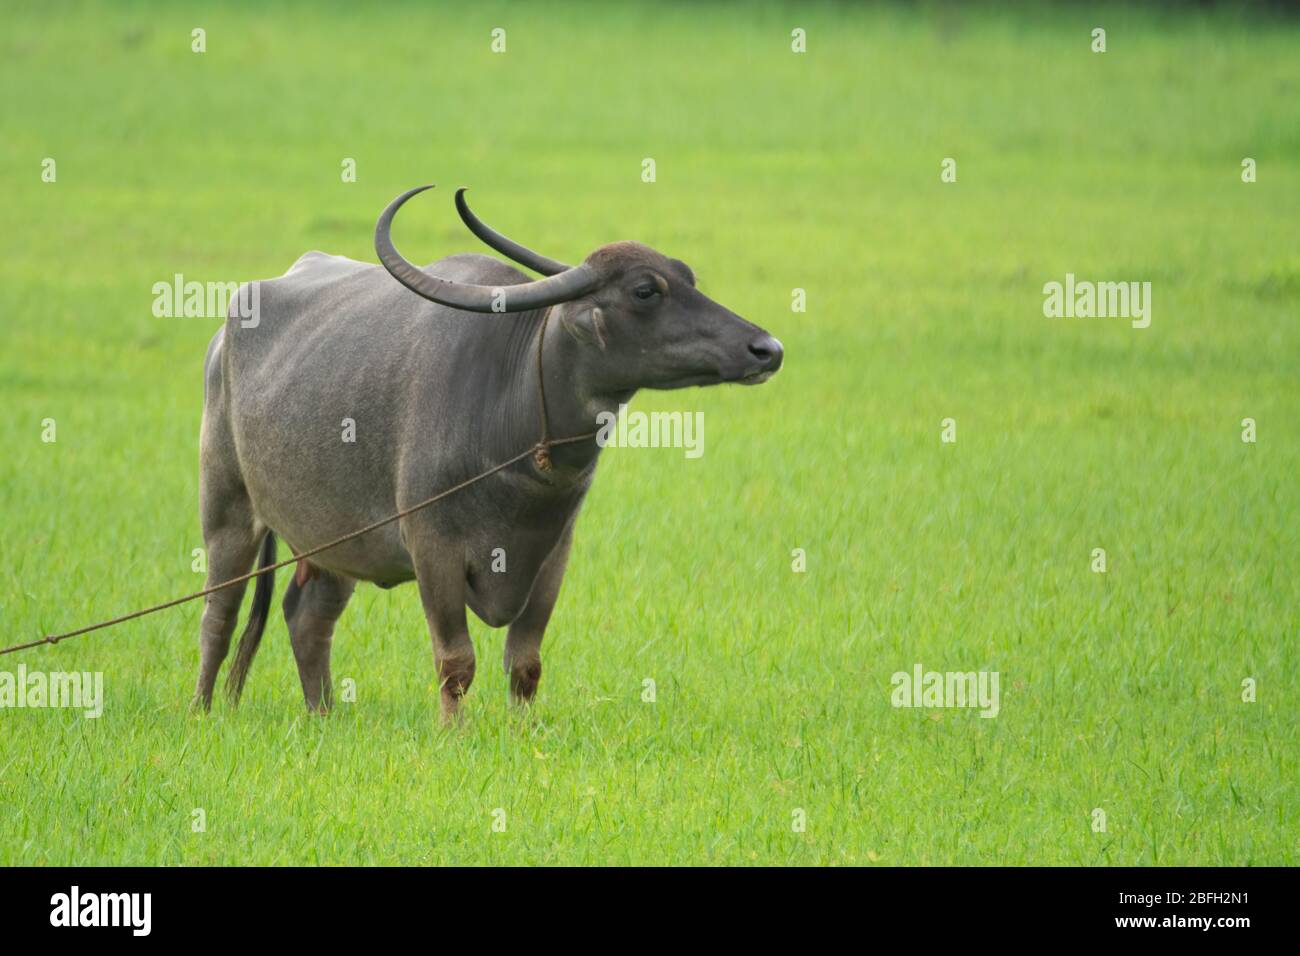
{"x":430,"y":395}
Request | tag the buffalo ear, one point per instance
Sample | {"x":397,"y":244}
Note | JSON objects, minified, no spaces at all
{"x":587,"y":326}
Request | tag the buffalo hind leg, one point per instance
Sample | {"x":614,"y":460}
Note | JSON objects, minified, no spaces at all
{"x":231,"y":531}
{"x":311,"y":610}
{"x":232,"y":549}
{"x":523,"y":659}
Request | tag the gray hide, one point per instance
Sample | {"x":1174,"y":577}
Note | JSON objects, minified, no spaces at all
{"x":436,"y":395}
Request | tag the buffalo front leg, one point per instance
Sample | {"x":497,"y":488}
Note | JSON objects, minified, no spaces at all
{"x":523,"y":659}
{"x":311,"y":610}
{"x":440,"y":572}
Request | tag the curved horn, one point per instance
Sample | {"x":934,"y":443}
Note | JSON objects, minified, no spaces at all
{"x":507,"y":247}
{"x":569,"y":284}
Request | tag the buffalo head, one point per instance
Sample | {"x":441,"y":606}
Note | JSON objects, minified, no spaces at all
{"x":636,"y":309}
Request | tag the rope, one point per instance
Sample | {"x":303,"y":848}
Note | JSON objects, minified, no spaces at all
{"x":540,"y":453}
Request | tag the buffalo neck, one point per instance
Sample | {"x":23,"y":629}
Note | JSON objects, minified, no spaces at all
{"x":572,"y":400}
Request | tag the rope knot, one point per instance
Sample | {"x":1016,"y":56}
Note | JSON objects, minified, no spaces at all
{"x":542,"y":456}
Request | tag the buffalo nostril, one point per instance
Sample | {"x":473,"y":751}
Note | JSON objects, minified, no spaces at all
{"x":768,"y":351}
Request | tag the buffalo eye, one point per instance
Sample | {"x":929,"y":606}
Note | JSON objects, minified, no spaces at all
{"x":645,"y":291}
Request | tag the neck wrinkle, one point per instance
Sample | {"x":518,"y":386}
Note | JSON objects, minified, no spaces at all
{"x":572,"y":403}
{"x":513,"y":421}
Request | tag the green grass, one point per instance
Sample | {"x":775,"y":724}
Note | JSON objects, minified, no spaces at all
{"x":1120,"y":691}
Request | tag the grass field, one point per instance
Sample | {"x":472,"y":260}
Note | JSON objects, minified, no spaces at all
{"x":775,"y":170}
